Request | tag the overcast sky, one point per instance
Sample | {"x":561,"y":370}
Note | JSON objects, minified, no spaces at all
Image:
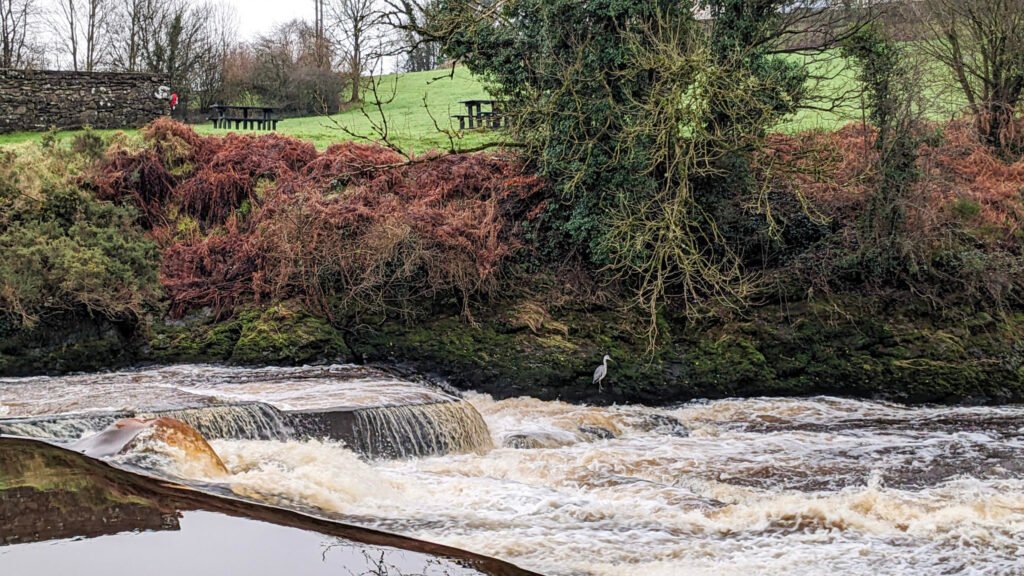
{"x":259,"y":16}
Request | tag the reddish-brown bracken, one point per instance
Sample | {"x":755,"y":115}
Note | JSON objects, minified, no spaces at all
{"x":356,"y":227}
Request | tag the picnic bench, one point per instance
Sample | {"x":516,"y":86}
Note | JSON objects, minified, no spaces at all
{"x":244,"y":117}
{"x":476,"y":117}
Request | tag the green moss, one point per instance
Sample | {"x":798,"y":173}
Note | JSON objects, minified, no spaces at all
{"x":725,"y":367}
{"x":200,"y":340}
{"x":494,"y":356}
{"x":843,"y":348}
{"x":281,"y":335}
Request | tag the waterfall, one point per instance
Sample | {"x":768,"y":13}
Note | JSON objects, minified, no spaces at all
{"x":401,"y":431}
{"x":377,"y":432}
{"x":63,"y":427}
{"x":251,"y":421}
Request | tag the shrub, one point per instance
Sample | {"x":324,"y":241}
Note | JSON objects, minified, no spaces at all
{"x":67,"y":251}
{"x":135,"y":178}
{"x":964,"y":214}
{"x":355,"y":229}
{"x":213,"y":271}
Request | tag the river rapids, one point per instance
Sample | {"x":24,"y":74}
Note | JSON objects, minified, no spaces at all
{"x":756,"y":486}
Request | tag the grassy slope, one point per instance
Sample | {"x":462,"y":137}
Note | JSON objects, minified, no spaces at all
{"x":409,"y":124}
{"x":412,"y":128}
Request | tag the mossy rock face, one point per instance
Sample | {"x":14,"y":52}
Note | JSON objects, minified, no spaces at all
{"x":723,"y":367}
{"x":494,"y":356}
{"x":281,"y":335}
{"x":199,"y":339}
{"x":860,"y":349}
{"x":65,"y":343}
{"x":847,"y":348}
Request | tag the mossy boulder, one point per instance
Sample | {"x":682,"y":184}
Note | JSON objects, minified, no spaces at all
{"x":282,"y":335}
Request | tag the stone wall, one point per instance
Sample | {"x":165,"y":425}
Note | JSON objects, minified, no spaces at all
{"x":37,"y":100}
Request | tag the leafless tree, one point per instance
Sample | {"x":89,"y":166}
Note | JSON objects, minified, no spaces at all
{"x":78,"y":26}
{"x":221,"y":40}
{"x":288,"y":74}
{"x":322,"y":52}
{"x":130,"y":28}
{"x":981,"y":42}
{"x":16,"y":20}
{"x":416,"y":51}
{"x":357,"y":30}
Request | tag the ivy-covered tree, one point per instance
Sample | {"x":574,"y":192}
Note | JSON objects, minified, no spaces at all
{"x":644,"y":114}
{"x":892,"y":102}
{"x":563,"y":69}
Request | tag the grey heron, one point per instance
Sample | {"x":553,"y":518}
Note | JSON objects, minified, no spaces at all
{"x":601,"y":372}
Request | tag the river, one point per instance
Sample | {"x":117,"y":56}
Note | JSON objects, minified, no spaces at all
{"x":751,"y":486}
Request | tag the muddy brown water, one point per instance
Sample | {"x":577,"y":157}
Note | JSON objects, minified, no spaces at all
{"x":755,"y":486}
{"x":65,"y":513}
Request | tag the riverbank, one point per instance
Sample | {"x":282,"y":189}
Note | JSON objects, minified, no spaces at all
{"x":854,"y":348}
{"x":262,"y":250}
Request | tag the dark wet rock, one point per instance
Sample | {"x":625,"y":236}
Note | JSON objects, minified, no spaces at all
{"x":597,"y":432}
{"x":666,"y":424}
{"x":521,"y":442}
{"x":537,"y":440}
{"x":64,"y":343}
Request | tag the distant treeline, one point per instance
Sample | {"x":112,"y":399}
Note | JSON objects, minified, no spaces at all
{"x":302,"y":66}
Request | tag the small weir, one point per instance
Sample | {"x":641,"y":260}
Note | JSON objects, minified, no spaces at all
{"x":61,"y":427}
{"x":452,"y":427}
{"x":249,"y":421}
{"x":375,"y":417}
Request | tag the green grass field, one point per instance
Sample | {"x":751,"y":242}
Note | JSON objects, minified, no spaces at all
{"x":411,"y":103}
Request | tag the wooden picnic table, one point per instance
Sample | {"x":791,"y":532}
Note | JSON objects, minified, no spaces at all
{"x":477,"y":117}
{"x":244,"y":117}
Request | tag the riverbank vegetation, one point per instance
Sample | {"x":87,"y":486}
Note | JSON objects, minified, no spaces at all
{"x":647,"y":205}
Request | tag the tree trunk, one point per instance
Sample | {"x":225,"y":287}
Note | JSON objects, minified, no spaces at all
{"x":357,"y":78}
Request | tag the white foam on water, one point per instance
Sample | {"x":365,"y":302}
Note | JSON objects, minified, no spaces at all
{"x":313,"y":473}
{"x":730,"y":499}
{"x":759,"y":486}
{"x":190,"y":386}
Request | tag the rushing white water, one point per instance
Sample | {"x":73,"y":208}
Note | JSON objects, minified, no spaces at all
{"x":759,"y":487}
{"x":788,"y":486}
{"x":191,"y":386}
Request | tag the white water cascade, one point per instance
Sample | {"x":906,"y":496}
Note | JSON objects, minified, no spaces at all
{"x":757,"y":486}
